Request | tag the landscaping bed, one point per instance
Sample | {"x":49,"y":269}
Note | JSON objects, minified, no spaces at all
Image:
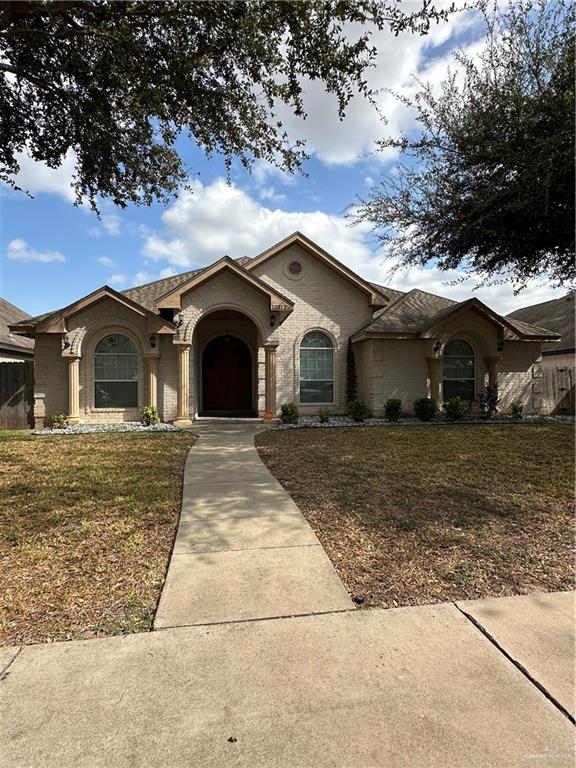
{"x":429,"y":514}
{"x":87,"y":526}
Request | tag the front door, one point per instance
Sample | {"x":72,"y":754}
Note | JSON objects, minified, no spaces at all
{"x":227,"y":377}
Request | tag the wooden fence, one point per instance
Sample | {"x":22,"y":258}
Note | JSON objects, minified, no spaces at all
{"x":556,"y":390}
{"x":16,"y":395}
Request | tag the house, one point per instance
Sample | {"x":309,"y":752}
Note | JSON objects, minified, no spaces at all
{"x":243,"y":336}
{"x":559,"y":316}
{"x":16,"y":370}
{"x":13,"y":348}
{"x":557,"y":368}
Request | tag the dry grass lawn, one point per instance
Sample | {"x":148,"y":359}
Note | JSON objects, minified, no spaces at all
{"x":427,"y":514}
{"x":87,"y":525}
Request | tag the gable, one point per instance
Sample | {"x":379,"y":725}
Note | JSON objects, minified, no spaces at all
{"x":173,"y":299}
{"x":286,"y":252}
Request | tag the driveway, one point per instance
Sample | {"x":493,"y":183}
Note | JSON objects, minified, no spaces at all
{"x":243,"y":549}
{"x":415,"y":687}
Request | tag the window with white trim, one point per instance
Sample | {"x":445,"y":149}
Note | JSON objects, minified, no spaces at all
{"x":116,"y":372}
{"x":459,"y":371}
{"x":316,"y":368}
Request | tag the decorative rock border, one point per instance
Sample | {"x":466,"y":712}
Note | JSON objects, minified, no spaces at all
{"x":123,"y":426}
{"x":313,"y":422}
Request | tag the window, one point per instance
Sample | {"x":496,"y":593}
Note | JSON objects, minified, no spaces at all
{"x":459,"y":376}
{"x":316,"y":368}
{"x":116,"y":373}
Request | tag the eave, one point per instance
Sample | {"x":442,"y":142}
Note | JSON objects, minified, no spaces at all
{"x":173,"y":299}
{"x":56,"y":322}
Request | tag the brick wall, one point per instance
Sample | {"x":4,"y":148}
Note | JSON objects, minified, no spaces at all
{"x":324,"y":301}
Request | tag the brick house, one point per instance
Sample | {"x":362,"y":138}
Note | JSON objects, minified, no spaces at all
{"x":242,"y":336}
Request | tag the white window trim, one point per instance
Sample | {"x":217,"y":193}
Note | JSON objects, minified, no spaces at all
{"x":299,"y":376}
{"x":94,"y":381}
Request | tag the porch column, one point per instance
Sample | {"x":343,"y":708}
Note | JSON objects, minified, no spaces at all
{"x":270,"y":381}
{"x":152,"y":384}
{"x":74,"y":390}
{"x":183,"y":386}
{"x":435,"y":365}
{"x":492,"y":368}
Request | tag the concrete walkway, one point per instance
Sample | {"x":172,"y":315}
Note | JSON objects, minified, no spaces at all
{"x":421,"y":687}
{"x":243,"y":549}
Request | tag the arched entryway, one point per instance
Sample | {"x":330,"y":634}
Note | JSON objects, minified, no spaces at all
{"x":227,"y":377}
{"x":226,"y":343}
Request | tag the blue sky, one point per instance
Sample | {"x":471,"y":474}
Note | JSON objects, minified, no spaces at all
{"x":52,"y":252}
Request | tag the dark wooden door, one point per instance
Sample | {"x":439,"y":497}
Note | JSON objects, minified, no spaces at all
{"x":227,"y":376}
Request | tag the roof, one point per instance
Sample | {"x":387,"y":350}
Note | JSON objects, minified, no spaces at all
{"x":398,"y":314}
{"x":172,"y":298}
{"x":409,"y":313}
{"x":557,"y":315}
{"x":9,"y":315}
{"x":418,"y":313}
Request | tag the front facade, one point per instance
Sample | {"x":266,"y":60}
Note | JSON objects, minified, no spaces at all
{"x":241,"y":337}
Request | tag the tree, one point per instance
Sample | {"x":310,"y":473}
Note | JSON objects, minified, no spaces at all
{"x":487,"y":183}
{"x":118,"y":81}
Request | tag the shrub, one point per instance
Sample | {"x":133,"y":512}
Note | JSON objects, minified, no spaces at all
{"x":59,"y":421}
{"x":150,"y":415}
{"x":323,"y":415}
{"x":425,"y":408}
{"x":393,"y":409}
{"x":456,"y":408}
{"x":488,"y":401}
{"x":358,"y":410}
{"x":517,"y":410}
{"x":289,"y":413}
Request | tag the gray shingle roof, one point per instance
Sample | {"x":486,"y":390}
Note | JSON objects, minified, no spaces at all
{"x":409,"y":313}
{"x":9,"y":315}
{"x":557,"y":315}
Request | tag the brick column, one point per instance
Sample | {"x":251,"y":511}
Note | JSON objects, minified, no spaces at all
{"x":492,"y":368}
{"x":152,"y":383}
{"x":74,"y":390}
{"x":435,"y":368}
{"x":183,"y":386}
{"x":270,"y":382}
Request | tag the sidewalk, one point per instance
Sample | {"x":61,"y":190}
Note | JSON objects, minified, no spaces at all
{"x":420,"y":687}
{"x":243,"y":549}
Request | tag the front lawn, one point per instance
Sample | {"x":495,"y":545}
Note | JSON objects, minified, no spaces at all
{"x":427,"y":514}
{"x":87,"y":525}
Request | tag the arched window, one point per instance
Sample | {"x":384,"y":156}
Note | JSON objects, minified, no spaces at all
{"x":316,"y":368}
{"x":116,"y":372}
{"x":459,"y":375}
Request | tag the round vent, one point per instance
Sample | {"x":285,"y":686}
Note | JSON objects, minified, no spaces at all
{"x":295,"y":268}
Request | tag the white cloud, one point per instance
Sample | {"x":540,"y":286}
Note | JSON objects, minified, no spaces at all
{"x":269,"y":193}
{"x":111,"y":223}
{"x":19,"y":250}
{"x":37,"y":177}
{"x":399,"y":60}
{"x":210,"y":221}
{"x":105,"y":261}
{"x":117,"y":279}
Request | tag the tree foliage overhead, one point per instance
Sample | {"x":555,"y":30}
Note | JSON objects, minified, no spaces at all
{"x":118,"y":81}
{"x":486,"y":184}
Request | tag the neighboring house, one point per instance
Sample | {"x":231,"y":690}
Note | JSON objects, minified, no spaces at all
{"x":558,"y":364}
{"x":16,"y":370}
{"x":243,"y":336}
{"x":13,"y":348}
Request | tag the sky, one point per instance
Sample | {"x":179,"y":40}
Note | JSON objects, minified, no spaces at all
{"x":53,"y":252}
